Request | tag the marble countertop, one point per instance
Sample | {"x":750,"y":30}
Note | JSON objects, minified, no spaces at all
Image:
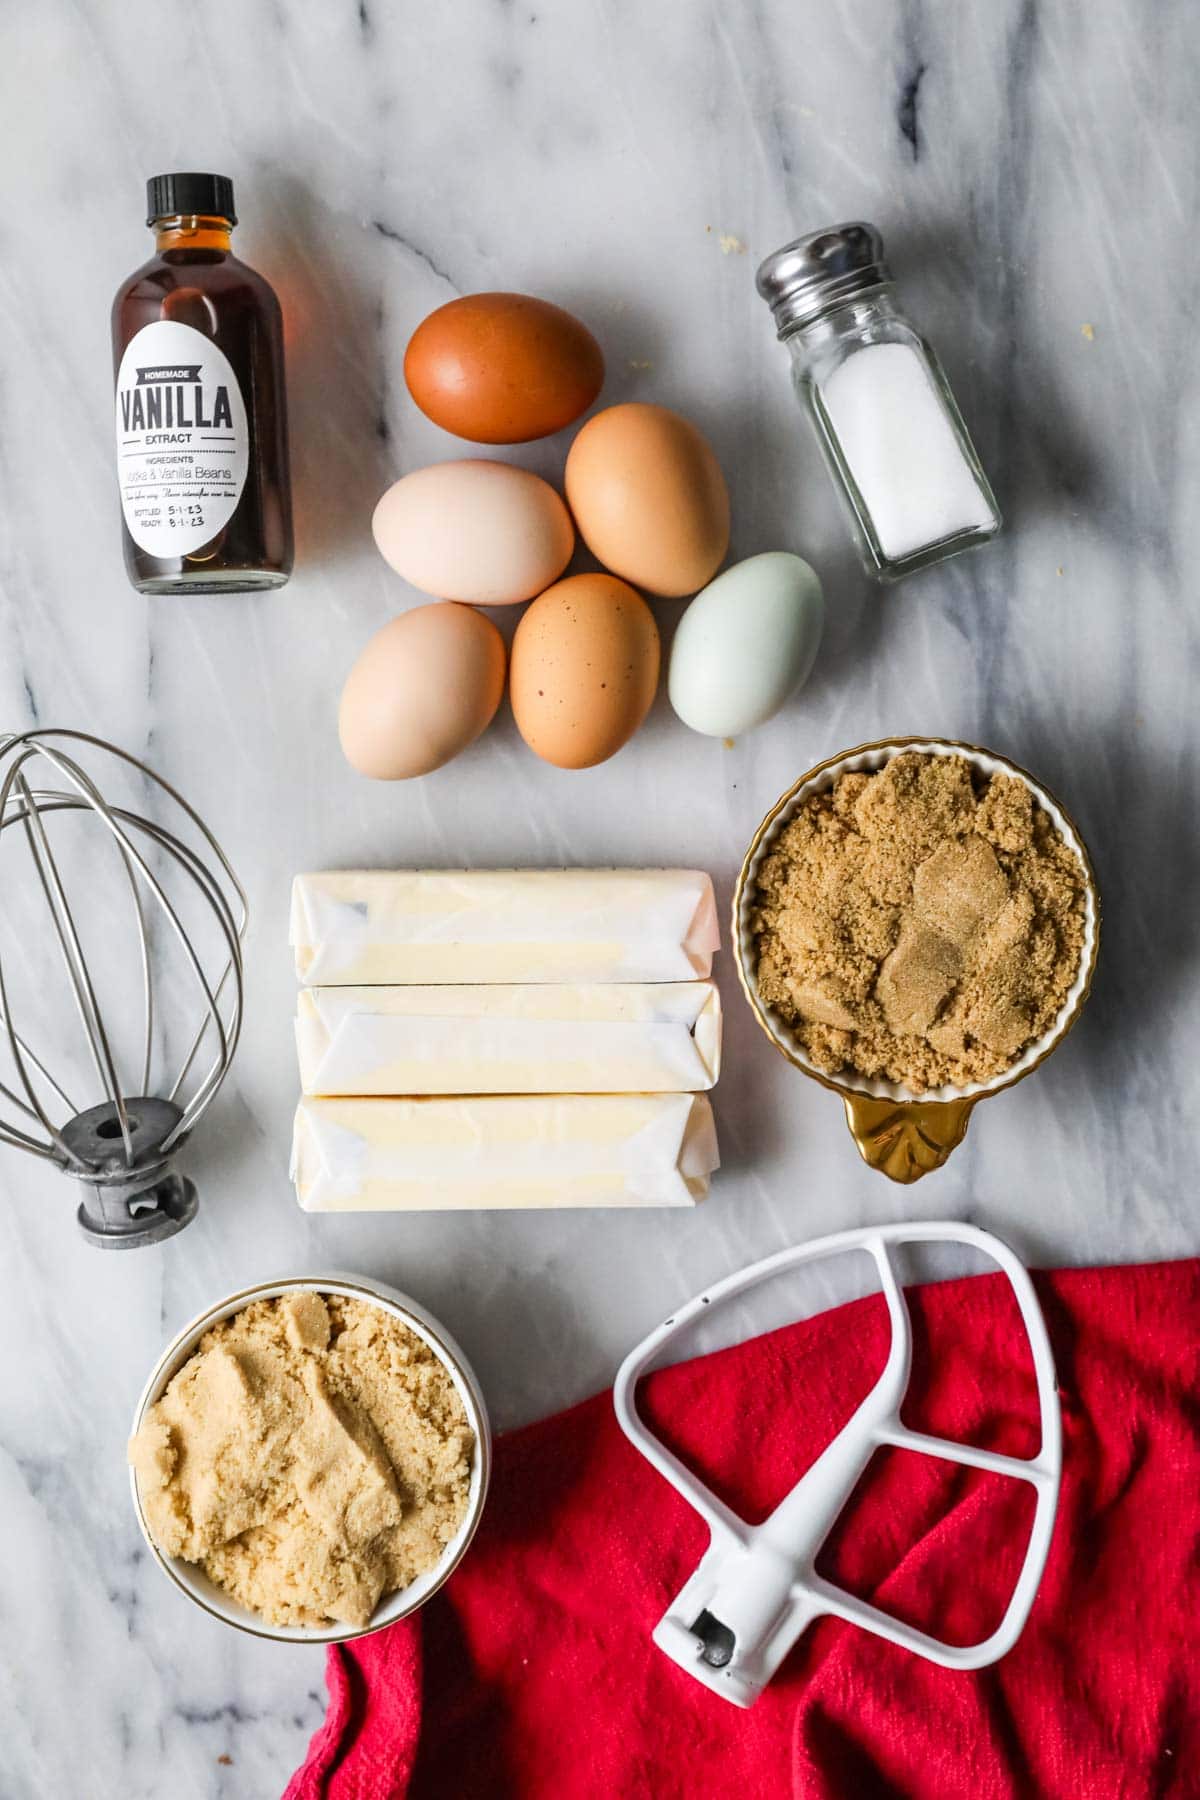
{"x":1031,"y":169}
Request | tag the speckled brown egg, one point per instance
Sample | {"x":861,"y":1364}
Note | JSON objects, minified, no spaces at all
{"x":502,"y":368}
{"x":649,"y":498}
{"x":584,"y":670}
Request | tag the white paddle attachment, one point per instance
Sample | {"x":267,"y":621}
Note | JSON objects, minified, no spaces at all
{"x":757,"y":1589}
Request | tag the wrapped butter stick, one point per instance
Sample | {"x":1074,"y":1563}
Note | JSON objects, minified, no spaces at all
{"x":661,"y":1037}
{"x":511,"y":1151}
{"x":372,"y":926}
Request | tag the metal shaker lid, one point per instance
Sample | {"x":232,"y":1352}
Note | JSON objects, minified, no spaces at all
{"x":815,"y":273}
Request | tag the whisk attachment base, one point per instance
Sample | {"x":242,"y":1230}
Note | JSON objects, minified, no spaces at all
{"x":109,"y":1225}
{"x":131,"y":1194}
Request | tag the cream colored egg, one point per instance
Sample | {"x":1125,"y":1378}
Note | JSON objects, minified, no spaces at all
{"x":476,"y":531}
{"x":427,"y":685}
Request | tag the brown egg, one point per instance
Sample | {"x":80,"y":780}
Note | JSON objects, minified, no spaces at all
{"x":427,"y":685}
{"x":585,"y":664}
{"x":649,"y":498}
{"x":502,"y":368}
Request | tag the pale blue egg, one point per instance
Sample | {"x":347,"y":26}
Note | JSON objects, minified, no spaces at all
{"x":746,"y":643}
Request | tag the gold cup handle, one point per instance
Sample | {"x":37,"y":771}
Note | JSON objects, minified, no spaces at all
{"x":905,"y":1139}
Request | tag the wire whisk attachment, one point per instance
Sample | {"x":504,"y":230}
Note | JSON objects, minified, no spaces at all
{"x":137,"y":908}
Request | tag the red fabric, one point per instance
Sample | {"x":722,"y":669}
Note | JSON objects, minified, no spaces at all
{"x":539,"y":1677}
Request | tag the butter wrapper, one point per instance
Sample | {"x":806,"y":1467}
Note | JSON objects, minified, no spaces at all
{"x":366,"y":927}
{"x":662,"y":1037}
{"x":363,"y":1155}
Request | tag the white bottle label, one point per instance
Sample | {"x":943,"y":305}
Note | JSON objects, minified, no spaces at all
{"x":183,"y":446}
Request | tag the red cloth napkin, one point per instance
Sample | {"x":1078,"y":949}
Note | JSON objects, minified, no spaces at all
{"x":532,"y":1673}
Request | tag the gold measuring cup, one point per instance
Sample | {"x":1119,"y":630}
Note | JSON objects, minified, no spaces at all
{"x":906,"y":1135}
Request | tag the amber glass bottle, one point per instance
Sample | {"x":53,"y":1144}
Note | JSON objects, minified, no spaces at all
{"x":201,"y":413}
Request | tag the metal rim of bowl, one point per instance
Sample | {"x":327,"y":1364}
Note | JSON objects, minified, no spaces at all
{"x":771,"y":822}
{"x":185,"y":1341}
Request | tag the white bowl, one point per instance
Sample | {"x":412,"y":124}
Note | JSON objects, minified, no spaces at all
{"x":193,"y":1582}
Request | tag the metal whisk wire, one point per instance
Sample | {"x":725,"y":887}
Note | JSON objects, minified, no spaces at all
{"x":137,"y":1198}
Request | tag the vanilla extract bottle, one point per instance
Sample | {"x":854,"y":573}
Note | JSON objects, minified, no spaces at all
{"x":201,"y":413}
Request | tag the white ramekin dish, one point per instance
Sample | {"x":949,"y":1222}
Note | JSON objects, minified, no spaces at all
{"x":902,"y":1134}
{"x":192,"y":1580}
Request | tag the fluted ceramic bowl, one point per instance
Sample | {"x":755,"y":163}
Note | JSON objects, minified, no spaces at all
{"x":902,"y":1134}
{"x":193,"y":1582}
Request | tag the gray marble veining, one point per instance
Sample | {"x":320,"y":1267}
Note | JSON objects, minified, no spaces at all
{"x":1033,"y":171}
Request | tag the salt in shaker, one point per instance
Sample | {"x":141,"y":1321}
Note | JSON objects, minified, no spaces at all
{"x":891,"y":433}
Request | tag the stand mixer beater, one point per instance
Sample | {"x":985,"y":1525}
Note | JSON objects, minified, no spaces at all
{"x":176,"y":887}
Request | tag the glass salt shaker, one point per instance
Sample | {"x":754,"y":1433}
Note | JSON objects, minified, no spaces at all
{"x":892,"y":436}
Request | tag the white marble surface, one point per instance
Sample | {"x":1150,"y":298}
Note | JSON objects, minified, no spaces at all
{"x":1032,"y":170}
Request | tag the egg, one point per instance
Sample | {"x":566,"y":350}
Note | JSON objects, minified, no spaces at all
{"x":649,"y":498}
{"x":585,"y":663}
{"x":746,"y":644}
{"x":474,"y":530}
{"x":502,"y":368}
{"x":427,"y":685}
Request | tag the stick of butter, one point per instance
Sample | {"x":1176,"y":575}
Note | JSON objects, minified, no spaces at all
{"x":615,"y":1038}
{"x":371,"y":926}
{"x":510,"y":1151}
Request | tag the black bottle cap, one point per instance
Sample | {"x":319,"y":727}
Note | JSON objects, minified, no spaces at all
{"x":169,"y":195}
